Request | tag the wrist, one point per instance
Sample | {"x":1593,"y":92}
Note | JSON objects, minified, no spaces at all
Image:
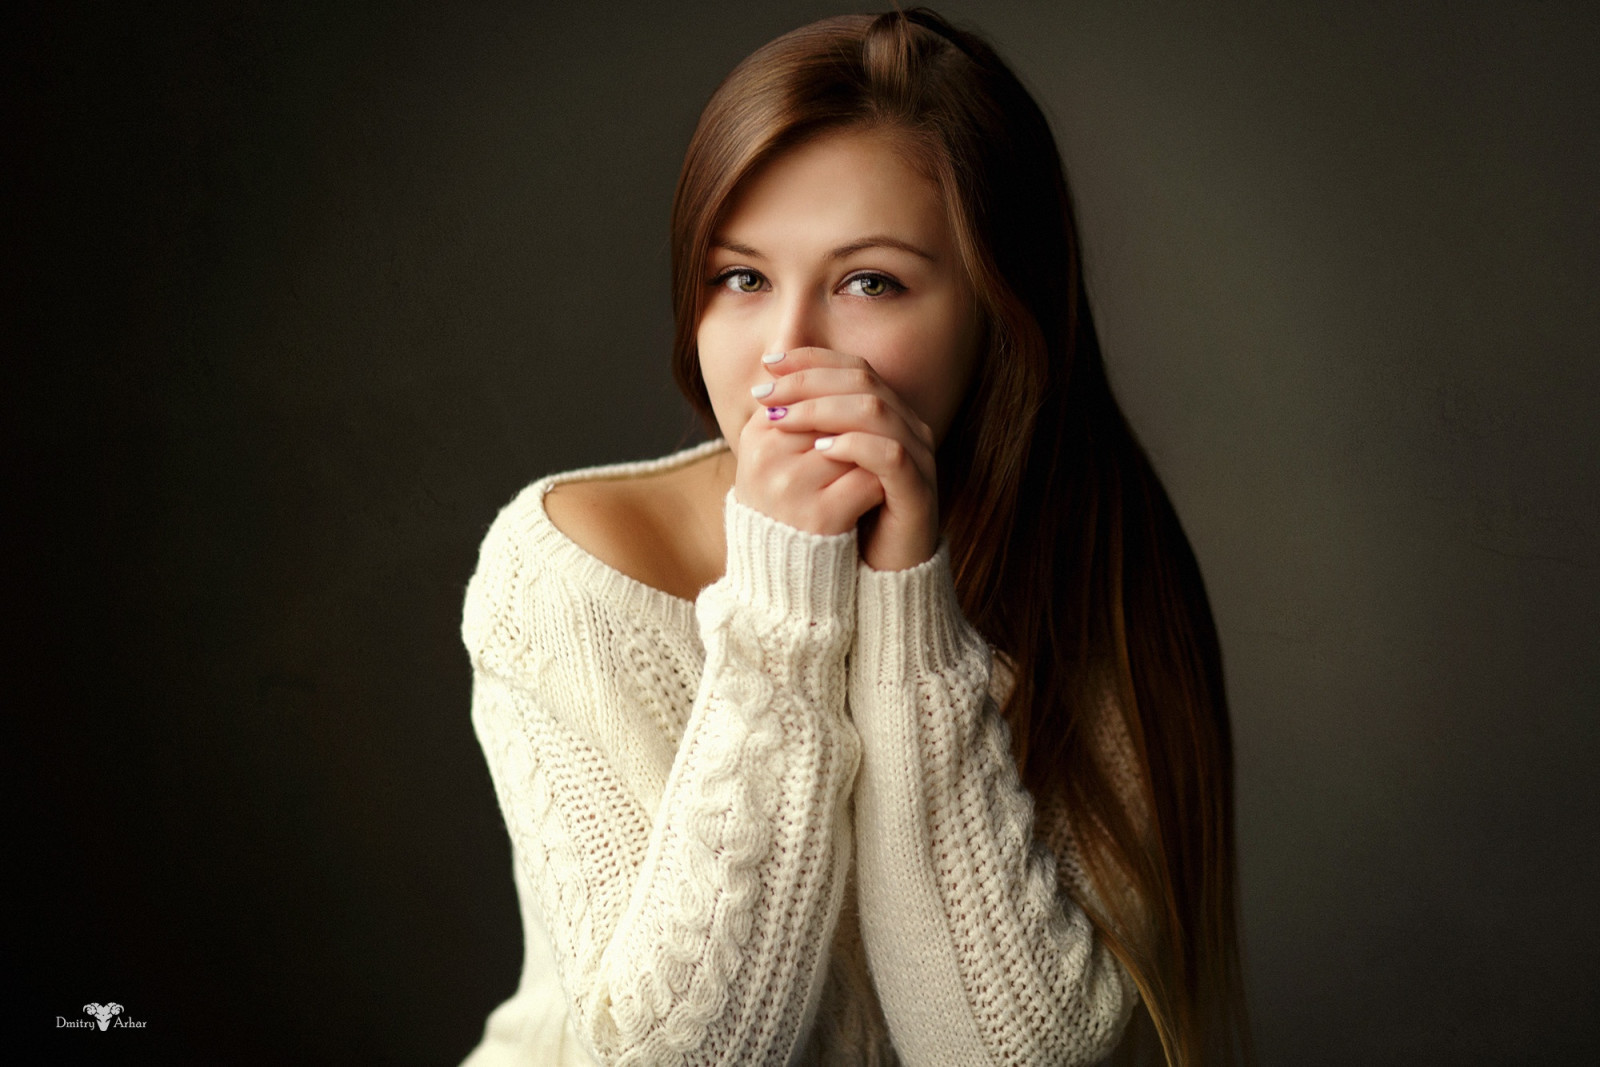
{"x":890,"y":546}
{"x":909,"y":622}
{"x":787,"y":572}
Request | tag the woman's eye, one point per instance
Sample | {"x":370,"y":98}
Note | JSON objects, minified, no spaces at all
{"x":871,"y":285}
{"x":742,"y":281}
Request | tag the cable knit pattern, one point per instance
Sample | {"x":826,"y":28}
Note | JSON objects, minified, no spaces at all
{"x":677,"y":780}
{"x":687,"y":862}
{"x":977,"y":953}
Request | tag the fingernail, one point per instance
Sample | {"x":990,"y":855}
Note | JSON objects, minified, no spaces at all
{"x":774,"y":414}
{"x":772,"y":357}
{"x":764,"y":389}
{"x":823,"y":444}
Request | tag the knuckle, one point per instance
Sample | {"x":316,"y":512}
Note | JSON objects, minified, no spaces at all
{"x":894,"y":453}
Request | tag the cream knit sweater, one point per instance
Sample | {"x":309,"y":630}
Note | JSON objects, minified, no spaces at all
{"x":777,"y":824}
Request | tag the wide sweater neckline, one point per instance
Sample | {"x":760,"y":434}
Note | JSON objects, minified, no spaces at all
{"x":593,"y":573}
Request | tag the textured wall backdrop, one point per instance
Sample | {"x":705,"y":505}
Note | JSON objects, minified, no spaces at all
{"x":300,"y":293}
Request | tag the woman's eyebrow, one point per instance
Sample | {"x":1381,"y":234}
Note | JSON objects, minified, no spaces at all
{"x":861,"y":245}
{"x":881,"y":240}
{"x":737,"y":248}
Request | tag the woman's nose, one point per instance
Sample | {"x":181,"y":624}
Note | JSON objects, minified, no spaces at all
{"x":800,"y":322}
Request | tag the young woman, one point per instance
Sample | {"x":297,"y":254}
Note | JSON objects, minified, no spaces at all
{"x":887,"y":726}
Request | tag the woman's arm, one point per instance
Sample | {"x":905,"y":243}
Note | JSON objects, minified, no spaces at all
{"x":690,"y":925}
{"x":977,"y":955}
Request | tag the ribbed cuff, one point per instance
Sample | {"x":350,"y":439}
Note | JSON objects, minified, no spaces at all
{"x":785,"y":572}
{"x":909,"y":622}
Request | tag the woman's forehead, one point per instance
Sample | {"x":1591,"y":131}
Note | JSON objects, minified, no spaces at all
{"x":834,"y":190}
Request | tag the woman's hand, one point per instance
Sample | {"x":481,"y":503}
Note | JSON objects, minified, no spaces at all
{"x":830,"y":443}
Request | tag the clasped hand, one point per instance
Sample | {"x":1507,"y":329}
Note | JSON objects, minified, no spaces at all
{"x":831,"y":447}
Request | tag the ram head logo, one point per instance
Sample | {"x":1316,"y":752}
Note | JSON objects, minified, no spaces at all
{"x":103,"y":1012}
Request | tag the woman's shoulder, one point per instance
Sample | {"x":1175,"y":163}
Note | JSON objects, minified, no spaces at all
{"x":658,"y":524}
{"x":619,"y":532}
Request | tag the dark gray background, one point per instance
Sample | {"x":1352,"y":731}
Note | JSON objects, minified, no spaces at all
{"x":300,"y":293}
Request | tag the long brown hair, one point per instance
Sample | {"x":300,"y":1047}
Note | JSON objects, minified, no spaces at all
{"x":1067,"y":555}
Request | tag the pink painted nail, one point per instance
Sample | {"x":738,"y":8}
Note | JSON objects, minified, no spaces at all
{"x":774,"y":414}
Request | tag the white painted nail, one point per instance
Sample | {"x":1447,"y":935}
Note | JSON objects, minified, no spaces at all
{"x":771,"y":357}
{"x":764,"y":389}
{"x":823,"y":444}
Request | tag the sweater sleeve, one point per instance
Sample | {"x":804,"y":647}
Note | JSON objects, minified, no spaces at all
{"x":978,"y":955}
{"x":689,"y":925}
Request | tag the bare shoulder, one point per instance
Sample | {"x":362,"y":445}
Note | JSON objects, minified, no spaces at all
{"x":662,"y":529}
{"x":601,"y":516}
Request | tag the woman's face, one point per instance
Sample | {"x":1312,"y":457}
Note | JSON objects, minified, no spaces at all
{"x":839,"y":243}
